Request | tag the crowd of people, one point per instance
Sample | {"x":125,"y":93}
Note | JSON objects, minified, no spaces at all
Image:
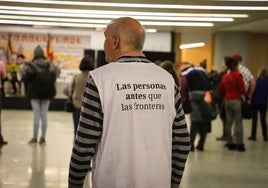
{"x":227,"y":90}
{"x":113,"y":135}
{"x":237,"y":82}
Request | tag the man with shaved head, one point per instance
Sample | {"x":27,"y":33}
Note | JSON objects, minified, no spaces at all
{"x":132,"y":125}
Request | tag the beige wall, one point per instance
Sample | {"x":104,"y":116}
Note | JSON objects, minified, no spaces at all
{"x":258,"y":52}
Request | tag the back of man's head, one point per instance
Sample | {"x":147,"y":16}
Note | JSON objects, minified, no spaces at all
{"x":131,"y":32}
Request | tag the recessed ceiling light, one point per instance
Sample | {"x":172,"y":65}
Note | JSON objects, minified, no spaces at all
{"x":151,"y":30}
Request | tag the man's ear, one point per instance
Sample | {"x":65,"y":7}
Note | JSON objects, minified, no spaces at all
{"x":116,"y":42}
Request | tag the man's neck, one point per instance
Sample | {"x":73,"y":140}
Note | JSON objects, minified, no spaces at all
{"x":132,"y":53}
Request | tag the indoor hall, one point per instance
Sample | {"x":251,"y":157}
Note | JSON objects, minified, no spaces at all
{"x":26,"y":166}
{"x":69,"y":29}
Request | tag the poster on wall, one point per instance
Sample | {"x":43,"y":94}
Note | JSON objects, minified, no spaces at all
{"x":17,"y":43}
{"x":67,"y":53}
{"x":64,"y":51}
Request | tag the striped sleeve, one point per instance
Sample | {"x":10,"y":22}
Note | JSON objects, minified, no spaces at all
{"x":88,"y":135}
{"x":180,"y":142}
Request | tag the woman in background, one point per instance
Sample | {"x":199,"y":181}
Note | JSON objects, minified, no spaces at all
{"x":259,"y":104}
{"x":232,"y":87}
{"x":12,"y":70}
{"x":40,"y":76}
{"x":77,"y":86}
{"x":181,"y":82}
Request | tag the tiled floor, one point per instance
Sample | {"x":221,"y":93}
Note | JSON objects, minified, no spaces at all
{"x":22,"y":165}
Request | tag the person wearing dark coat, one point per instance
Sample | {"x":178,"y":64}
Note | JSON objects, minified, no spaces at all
{"x":259,"y":105}
{"x":199,"y":84}
{"x":40,"y":77}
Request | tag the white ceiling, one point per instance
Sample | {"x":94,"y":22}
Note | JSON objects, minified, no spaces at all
{"x":256,"y":22}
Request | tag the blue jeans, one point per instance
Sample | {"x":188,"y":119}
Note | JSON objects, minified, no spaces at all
{"x":40,"y":109}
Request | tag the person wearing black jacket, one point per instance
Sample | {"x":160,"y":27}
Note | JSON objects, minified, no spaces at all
{"x":199,"y":84}
{"x":40,"y":77}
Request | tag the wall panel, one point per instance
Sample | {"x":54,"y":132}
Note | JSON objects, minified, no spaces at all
{"x":258,"y":52}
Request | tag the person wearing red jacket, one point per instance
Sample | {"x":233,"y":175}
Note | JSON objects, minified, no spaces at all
{"x":232,"y":88}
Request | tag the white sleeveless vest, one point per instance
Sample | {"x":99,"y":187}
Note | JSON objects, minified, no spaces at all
{"x":138,"y":105}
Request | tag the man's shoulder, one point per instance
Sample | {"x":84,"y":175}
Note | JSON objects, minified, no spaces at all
{"x":101,"y":68}
{"x":243,"y":68}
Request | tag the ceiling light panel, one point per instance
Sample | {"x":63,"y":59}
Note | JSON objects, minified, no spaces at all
{"x":102,"y":16}
{"x":192,"y":45}
{"x":166,"y":16}
{"x":61,"y":21}
{"x":97,"y":16}
{"x":136,"y":5}
{"x":58,"y":24}
{"x":36,"y":18}
{"x":84,"y":13}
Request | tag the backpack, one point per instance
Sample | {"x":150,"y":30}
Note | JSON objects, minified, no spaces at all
{"x":44,"y":82}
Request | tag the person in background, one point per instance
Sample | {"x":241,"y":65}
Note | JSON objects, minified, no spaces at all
{"x":12,"y":70}
{"x":77,"y":86}
{"x":215,"y":81}
{"x":3,"y":76}
{"x":170,"y":67}
{"x":181,"y":82}
{"x":232,"y":88}
{"x":248,"y":77}
{"x":185,"y":98}
{"x":259,"y":104}
{"x":132,"y":124}
{"x":40,"y":77}
{"x":203,"y":64}
{"x":20,"y":63}
{"x":199,"y":84}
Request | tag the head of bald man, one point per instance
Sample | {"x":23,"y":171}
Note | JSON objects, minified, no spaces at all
{"x":123,"y":36}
